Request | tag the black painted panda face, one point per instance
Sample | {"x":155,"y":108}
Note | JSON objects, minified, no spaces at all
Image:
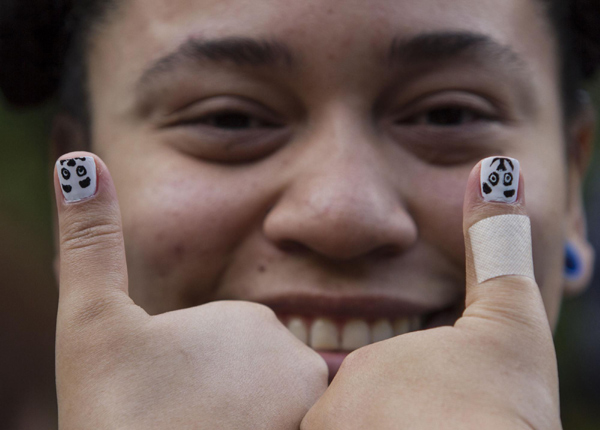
{"x":77,"y":178}
{"x":499,"y":179}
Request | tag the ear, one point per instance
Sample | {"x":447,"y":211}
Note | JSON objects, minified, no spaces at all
{"x":581,"y":140}
{"x":67,"y":135}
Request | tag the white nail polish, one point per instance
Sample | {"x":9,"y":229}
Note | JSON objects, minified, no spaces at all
{"x":77,"y":177}
{"x":500,"y":179}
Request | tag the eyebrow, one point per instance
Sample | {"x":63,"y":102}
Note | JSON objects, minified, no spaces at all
{"x":251,"y":52}
{"x":240,"y":51}
{"x":440,"y":46}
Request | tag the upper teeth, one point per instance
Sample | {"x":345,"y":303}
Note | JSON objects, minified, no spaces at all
{"x":325,"y":334}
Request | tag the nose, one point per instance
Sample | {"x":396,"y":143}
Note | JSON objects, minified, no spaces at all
{"x":342,"y":206}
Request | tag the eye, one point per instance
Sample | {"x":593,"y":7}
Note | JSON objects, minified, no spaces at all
{"x":81,"y":171}
{"x":448,"y":109}
{"x":227,"y":130}
{"x":450,"y":116}
{"x":494,"y":179}
{"x":233,"y":121}
{"x":446,"y":127}
{"x":65,"y":174}
{"x":508,"y":178}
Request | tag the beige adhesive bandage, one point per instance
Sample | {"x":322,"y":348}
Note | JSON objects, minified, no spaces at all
{"x":501,"y":245}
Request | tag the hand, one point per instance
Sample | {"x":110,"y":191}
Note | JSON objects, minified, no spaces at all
{"x":494,"y":369}
{"x":229,"y":365}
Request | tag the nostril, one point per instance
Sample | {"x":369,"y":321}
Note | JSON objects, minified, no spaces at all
{"x":387,"y":251}
{"x":292,"y":247}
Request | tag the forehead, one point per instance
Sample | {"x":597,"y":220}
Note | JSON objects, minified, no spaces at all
{"x":326,"y":33}
{"x":304,"y":18}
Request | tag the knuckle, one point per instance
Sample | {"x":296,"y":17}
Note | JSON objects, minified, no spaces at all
{"x":95,"y":337}
{"x":260,"y":309}
{"x":313,"y":363}
{"x":80,"y":313}
{"x":255,"y":310}
{"x":321,"y":371}
{"x":90,"y":312}
{"x":87,"y":234}
{"x":360,"y":357}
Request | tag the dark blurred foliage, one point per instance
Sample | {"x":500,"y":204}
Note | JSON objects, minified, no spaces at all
{"x":586,"y":15}
{"x":28,"y":294}
{"x":32,"y":48}
{"x":577,"y":336}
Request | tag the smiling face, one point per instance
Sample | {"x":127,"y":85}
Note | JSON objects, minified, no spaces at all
{"x":313,"y":155}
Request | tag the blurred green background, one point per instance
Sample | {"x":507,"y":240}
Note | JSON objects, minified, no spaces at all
{"x":28,"y":294}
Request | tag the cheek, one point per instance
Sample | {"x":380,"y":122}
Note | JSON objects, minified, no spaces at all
{"x":437,"y":207}
{"x":180,"y":232}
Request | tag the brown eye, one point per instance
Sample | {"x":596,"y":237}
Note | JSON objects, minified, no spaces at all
{"x":449,"y":116}
{"x":235,"y":121}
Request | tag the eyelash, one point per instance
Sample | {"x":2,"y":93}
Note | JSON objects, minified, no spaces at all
{"x":233,"y":121}
{"x":242,"y":121}
{"x":456,"y":118}
{"x":231,"y":132}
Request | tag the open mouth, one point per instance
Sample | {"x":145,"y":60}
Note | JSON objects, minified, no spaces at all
{"x":335,"y":338}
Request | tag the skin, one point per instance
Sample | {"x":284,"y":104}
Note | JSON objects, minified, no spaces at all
{"x":197,"y":230}
{"x":354,"y":193}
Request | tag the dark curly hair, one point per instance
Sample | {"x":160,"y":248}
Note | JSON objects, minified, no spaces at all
{"x":43,"y":45}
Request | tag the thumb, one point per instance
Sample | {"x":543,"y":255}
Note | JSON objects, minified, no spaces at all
{"x":499,"y":265}
{"x":93,"y":270}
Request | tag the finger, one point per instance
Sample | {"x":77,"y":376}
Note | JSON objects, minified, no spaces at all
{"x":497,"y":231}
{"x":92,"y":255}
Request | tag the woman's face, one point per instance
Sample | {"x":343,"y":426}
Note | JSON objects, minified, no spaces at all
{"x":313,"y":155}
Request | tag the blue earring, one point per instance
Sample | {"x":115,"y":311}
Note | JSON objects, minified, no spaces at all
{"x":573,"y":265}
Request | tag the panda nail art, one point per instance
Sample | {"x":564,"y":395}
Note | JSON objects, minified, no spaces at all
{"x":500,"y":179}
{"x":77,"y":177}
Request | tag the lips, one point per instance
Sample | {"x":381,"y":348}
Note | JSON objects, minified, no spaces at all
{"x":368,"y":307}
